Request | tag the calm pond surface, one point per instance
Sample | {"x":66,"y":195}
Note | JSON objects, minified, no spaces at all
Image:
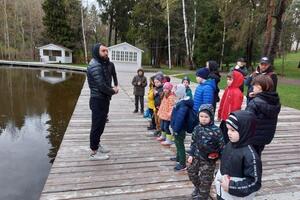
{"x":35,"y":108}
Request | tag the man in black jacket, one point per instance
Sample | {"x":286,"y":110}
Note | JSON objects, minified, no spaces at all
{"x":99,"y":80}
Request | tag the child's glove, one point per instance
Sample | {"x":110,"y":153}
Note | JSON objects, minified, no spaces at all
{"x":213,"y":156}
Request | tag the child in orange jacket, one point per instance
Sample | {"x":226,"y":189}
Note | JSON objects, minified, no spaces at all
{"x":164,"y":113}
{"x":231,"y":101}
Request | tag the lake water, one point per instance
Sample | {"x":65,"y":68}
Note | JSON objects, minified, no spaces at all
{"x":35,"y":108}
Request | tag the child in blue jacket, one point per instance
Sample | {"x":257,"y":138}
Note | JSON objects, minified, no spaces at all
{"x":205,"y":91}
{"x":179,"y":124}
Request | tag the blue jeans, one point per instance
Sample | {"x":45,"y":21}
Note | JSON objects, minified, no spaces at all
{"x":164,"y":125}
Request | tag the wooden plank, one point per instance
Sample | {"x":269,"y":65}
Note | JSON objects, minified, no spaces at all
{"x":139,"y":168}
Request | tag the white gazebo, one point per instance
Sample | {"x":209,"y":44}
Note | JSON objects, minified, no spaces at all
{"x":52,"y":53}
{"x":126,"y":57}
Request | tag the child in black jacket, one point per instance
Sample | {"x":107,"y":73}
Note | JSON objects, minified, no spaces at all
{"x":240,"y":169}
{"x":266,"y":107}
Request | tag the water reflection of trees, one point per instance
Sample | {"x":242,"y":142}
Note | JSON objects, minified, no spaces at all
{"x":61,"y":100}
{"x":24,"y":95}
{"x":21,"y":95}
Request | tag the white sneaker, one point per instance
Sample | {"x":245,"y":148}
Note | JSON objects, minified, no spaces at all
{"x":98,"y":156}
{"x":101,"y":149}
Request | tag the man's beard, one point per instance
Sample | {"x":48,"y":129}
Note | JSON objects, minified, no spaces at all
{"x":104,"y":57}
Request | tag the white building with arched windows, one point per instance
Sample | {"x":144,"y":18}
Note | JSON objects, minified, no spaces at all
{"x":126,"y":57}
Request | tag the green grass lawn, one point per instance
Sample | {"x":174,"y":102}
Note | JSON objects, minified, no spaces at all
{"x":291,"y":69}
{"x":289,"y":94}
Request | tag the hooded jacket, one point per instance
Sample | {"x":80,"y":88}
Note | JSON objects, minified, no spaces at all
{"x":240,"y":162}
{"x":166,"y":107}
{"x":204,"y":94}
{"x":266,"y":107}
{"x":208,"y":138}
{"x":151,"y":94}
{"x":232,"y":98}
{"x":214,"y":74}
{"x":99,"y":78}
{"x":257,"y":72}
{"x":139,"y":82}
{"x":179,"y":114}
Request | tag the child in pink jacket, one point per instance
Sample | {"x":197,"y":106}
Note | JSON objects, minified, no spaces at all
{"x":164,"y":113}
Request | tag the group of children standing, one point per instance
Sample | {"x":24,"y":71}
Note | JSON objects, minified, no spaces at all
{"x":239,"y":140}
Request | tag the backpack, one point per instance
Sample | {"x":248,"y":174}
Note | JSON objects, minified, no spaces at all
{"x":192,"y":120}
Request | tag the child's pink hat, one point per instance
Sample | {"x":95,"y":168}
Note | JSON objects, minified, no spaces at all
{"x":168,"y":86}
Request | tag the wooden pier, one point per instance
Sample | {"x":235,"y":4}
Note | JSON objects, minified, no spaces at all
{"x":139,"y":167}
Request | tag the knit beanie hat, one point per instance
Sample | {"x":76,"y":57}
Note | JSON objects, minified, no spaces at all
{"x":233,"y":122}
{"x":203,"y":73}
{"x":186,"y":78}
{"x":168,"y":86}
{"x":180,"y":91}
{"x":159,"y":77}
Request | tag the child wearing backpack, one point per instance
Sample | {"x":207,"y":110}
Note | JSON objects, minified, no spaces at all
{"x":239,"y":176}
{"x":231,"y":100}
{"x":179,"y":124}
{"x":207,"y":144}
{"x":205,"y":91}
{"x":265,"y":106}
{"x":164,"y":114}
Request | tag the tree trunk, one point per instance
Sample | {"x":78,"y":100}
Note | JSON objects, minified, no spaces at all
{"x":186,"y":32}
{"x":110,"y":28}
{"x":169,"y":40}
{"x":192,"y":44}
{"x":297,"y":45}
{"x":6,"y":33}
{"x":116,"y":35}
{"x":277,"y":30}
{"x":249,"y":50}
{"x":83,"y":35}
{"x":223,"y":37}
{"x":268,"y":33}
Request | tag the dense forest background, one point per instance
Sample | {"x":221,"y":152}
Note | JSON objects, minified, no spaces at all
{"x":199,"y":30}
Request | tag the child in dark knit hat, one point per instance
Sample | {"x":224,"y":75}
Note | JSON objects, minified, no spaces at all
{"x":239,"y":176}
{"x":205,"y":91}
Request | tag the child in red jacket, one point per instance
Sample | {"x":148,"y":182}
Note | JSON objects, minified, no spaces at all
{"x":231,"y":101}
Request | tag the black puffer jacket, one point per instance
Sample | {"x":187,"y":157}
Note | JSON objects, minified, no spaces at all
{"x":266,"y":107}
{"x":240,"y":161}
{"x":99,"y":78}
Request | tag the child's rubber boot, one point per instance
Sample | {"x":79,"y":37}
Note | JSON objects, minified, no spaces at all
{"x":162,"y":137}
{"x":168,"y":141}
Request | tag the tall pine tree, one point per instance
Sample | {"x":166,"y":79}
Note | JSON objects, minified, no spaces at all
{"x":59,"y":28}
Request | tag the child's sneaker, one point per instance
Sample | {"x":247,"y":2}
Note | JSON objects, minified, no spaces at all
{"x":195,"y":193}
{"x":101,"y":149}
{"x":166,"y":143}
{"x":98,"y":156}
{"x":179,"y":167}
{"x":156,"y":133}
{"x":173,"y":158}
{"x":160,"y":138}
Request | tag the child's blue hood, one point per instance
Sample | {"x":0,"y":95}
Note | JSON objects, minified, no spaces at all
{"x":210,"y":82}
